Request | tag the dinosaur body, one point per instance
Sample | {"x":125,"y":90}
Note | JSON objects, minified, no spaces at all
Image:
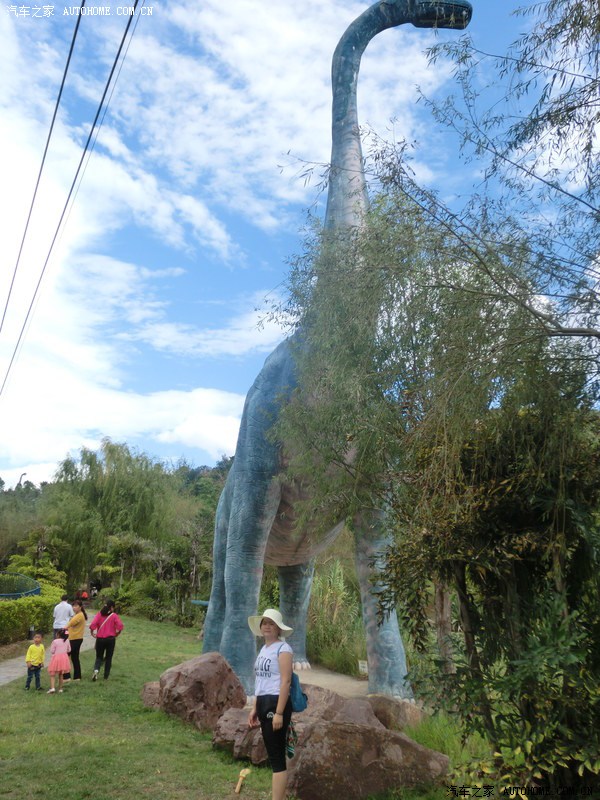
{"x":255,"y":522}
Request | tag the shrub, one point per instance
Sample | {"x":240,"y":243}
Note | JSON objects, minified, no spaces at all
{"x":18,"y":616}
{"x":147,"y":598}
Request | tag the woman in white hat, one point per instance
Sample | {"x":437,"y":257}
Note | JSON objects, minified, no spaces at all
{"x":272,"y":708}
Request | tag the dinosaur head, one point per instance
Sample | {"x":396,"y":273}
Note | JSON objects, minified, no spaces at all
{"x":441,"y":14}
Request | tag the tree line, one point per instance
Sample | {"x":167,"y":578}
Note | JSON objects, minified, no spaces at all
{"x":117,"y":519}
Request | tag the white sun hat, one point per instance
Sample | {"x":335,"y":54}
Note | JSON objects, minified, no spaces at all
{"x":275,"y":616}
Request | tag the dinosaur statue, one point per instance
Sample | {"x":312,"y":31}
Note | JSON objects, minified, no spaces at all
{"x":255,"y":516}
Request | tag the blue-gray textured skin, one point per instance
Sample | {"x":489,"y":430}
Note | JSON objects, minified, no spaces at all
{"x":255,"y":516}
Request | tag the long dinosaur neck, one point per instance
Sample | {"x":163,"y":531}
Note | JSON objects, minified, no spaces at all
{"x":347,"y":199}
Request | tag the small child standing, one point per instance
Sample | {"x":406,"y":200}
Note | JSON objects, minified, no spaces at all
{"x":59,"y":661}
{"x":36,"y":654}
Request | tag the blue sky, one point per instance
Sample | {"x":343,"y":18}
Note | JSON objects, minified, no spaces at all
{"x":146,"y":326}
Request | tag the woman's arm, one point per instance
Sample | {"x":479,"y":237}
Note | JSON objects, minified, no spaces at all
{"x":94,"y":625}
{"x":73,"y":621}
{"x":285,"y":670}
{"x":252,"y":717}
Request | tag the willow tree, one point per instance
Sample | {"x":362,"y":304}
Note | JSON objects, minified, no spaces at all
{"x":478,"y":432}
{"x":528,"y":121}
{"x":471,"y":410}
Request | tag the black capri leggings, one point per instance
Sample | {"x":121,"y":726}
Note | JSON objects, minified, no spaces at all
{"x":274,"y":740}
{"x":105,"y":647}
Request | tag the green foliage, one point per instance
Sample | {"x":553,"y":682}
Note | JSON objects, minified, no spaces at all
{"x":42,"y":568}
{"x":269,"y":589}
{"x":335,"y":634}
{"x":19,"y":512}
{"x":430,"y":387}
{"x":117,"y":518}
{"x":523,"y":555}
{"x":145,"y":598}
{"x":17,"y":616}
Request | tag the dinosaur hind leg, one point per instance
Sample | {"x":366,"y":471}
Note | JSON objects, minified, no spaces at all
{"x":385,"y":650}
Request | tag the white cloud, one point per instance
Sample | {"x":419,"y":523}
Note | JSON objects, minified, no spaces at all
{"x":210,"y":99}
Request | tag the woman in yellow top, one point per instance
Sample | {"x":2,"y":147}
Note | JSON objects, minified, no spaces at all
{"x":76,"y":628}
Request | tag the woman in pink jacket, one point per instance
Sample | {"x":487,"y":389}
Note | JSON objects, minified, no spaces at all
{"x":105,"y":628}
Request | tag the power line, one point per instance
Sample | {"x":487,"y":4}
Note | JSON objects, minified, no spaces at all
{"x":37,"y":183}
{"x":74,"y":182}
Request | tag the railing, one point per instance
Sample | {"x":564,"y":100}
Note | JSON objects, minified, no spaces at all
{"x":14,"y":586}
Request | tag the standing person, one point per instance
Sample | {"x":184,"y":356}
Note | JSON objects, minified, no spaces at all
{"x":62,"y":613}
{"x":105,"y":628}
{"x":59,"y":660}
{"x":272,"y":708}
{"x":36,"y":655}
{"x":76,"y":628}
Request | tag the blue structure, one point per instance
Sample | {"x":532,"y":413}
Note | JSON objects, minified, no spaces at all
{"x":255,"y":520}
{"x":13,"y":586}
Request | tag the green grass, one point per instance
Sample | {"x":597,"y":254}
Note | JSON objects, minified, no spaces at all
{"x":97,"y":740}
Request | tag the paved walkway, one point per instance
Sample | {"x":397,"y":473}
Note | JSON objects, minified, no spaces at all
{"x":14,"y":668}
{"x":342,"y":684}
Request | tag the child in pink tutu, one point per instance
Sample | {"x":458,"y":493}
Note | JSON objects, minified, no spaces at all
{"x":59,"y":660}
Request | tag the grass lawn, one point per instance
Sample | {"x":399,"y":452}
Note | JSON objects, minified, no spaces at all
{"x":97,"y":741}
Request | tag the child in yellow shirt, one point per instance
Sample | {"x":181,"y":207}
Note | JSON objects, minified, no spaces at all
{"x":35,"y":657}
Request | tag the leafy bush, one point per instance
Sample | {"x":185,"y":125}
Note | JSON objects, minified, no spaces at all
{"x":147,"y":598}
{"x":42,"y":569}
{"x":18,"y":616}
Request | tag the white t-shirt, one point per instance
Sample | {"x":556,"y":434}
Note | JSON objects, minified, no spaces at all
{"x":62,"y":614}
{"x":266,"y":668}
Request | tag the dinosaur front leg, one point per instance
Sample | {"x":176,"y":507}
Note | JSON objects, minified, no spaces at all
{"x":385,"y":651}
{"x":295,"y":583}
{"x":215,"y":616}
{"x":254,"y":506}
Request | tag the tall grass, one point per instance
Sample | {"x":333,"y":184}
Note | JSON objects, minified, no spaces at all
{"x":335,"y":634}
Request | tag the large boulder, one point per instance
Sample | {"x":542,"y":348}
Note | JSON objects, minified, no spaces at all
{"x":341,"y":759}
{"x":344,"y":746}
{"x":395,"y":713}
{"x":201,"y":690}
{"x":233,"y":735}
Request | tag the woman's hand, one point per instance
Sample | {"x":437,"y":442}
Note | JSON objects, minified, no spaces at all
{"x":277,"y":721}
{"x":253,"y":719}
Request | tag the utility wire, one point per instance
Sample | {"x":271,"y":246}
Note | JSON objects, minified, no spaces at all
{"x":37,"y":183}
{"x":105,"y":111}
{"x":81,"y":160}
